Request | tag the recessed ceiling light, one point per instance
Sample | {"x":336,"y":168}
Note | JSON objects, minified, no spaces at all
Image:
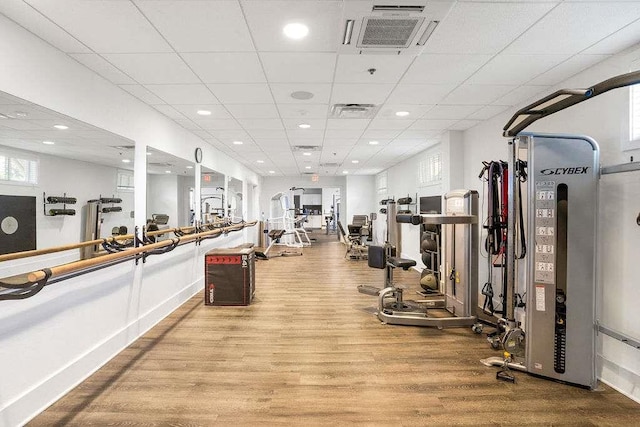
{"x":21,"y":114}
{"x":402,"y":113}
{"x":204,"y":112}
{"x":149,"y":153}
{"x":301,"y":95}
{"x":272,"y":171}
{"x":307,"y":167}
{"x":306,"y":154}
{"x":126,"y":161}
{"x":345,"y":172}
{"x":61,"y":127}
{"x":237,"y":143}
{"x":355,"y":161}
{"x":48,"y":142}
{"x":189,"y":167}
{"x":373,"y":143}
{"x":295,"y":30}
{"x":304,"y":126}
{"x":260,"y":161}
{"x":167,"y":171}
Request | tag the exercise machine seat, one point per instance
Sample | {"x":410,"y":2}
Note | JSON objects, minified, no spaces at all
{"x":403,"y":263}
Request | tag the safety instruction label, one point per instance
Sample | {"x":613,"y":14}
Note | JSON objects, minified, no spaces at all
{"x":540,"y":298}
{"x":545,"y":228}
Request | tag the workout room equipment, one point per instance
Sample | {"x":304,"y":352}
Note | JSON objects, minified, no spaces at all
{"x":456,"y":303}
{"x":554,"y":334}
{"x":359,"y":233}
{"x":281,"y":229}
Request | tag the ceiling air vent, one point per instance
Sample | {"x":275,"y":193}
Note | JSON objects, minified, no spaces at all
{"x":305,"y":148}
{"x":329,"y":165}
{"x":161,"y":164}
{"x":353,"y":111}
{"x":397,"y":8}
{"x":389,"y":31}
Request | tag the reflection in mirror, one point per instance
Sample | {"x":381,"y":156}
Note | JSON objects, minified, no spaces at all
{"x":55,"y":174}
{"x":234,"y":203}
{"x":212,"y":198}
{"x":170,"y":191}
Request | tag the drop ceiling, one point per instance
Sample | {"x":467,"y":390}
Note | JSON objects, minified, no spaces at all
{"x":230,"y":57}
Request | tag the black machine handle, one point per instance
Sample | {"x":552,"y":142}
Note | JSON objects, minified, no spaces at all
{"x":408,"y":219}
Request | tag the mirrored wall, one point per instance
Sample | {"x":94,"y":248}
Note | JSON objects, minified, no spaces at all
{"x":235,"y":198}
{"x":62,"y":181}
{"x":213,"y":201}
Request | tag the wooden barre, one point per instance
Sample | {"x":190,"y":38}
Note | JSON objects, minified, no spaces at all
{"x":71,"y":267}
{"x":80,"y":245}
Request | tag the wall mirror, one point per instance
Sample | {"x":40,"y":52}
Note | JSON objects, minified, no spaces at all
{"x":234,"y":202}
{"x":212,"y":195}
{"x":62,"y":181}
{"x":170,"y":191}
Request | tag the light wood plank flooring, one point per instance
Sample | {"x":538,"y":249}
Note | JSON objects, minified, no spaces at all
{"x":309,"y":351}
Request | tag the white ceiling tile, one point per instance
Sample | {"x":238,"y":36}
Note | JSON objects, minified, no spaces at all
{"x":193,"y":94}
{"x":226,"y":67}
{"x":523,"y":94}
{"x":201,"y":133}
{"x":268,"y":133}
{"x":249,"y":93}
{"x":388,"y":111}
{"x":217,"y":124}
{"x":305,"y":134}
{"x":191,"y":111}
{"x":464,"y":124}
{"x":187,"y":124}
{"x":484,"y":28}
{"x":200,"y":26}
{"x":515,"y":69}
{"x":487,"y":112}
{"x":337,"y":142}
{"x":39,"y":25}
{"x":100,"y":66}
{"x":360,"y":124}
{"x":616,"y":42}
{"x":270,"y":124}
{"x":355,"y":68}
{"x":389,"y":124}
{"x":104,"y":26}
{"x":380,"y":134}
{"x":567,"y":69}
{"x":345,"y":93}
{"x":314,"y":123}
{"x":298,"y":67}
{"x":419,"y":94}
{"x":476,"y":94}
{"x":267,"y":19}
{"x":169,"y":111}
{"x":451,"y":111}
{"x":419,"y":134}
{"x":273,"y":144}
{"x":308,"y":111}
{"x":572,"y":27}
{"x":342,"y":133}
{"x":282,"y":93}
{"x":443,"y":68}
{"x":230,"y":135}
{"x":432,"y":124}
{"x":143,"y":94}
{"x":253,"y":111}
{"x":153,"y":68}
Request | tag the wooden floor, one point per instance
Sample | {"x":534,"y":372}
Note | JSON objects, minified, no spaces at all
{"x":309,"y":351}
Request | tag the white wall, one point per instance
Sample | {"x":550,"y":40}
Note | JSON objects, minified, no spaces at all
{"x":51,"y":342}
{"x":606,"y":119}
{"x":162,"y":197}
{"x":359,"y":193}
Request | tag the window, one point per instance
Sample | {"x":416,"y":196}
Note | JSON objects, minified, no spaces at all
{"x":430,"y":172}
{"x":124,"y":181}
{"x":18,"y":169}
{"x":381,"y":183}
{"x":634,"y":113}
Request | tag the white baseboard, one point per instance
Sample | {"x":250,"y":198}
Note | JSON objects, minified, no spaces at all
{"x":619,"y":378}
{"x":21,"y":409}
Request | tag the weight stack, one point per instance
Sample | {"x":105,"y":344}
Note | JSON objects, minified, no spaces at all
{"x":229,"y":276}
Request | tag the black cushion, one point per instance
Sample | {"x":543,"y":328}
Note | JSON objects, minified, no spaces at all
{"x":376,"y":256}
{"x":403,"y":263}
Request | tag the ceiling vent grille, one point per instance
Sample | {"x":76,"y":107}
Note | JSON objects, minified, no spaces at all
{"x":306,"y":148}
{"x":161,"y":164}
{"x":353,"y":111}
{"x":329,"y":165}
{"x":388,"y":31}
{"x":397,"y":8}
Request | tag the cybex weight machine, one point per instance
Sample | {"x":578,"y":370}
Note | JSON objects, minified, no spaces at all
{"x":554,"y":335}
